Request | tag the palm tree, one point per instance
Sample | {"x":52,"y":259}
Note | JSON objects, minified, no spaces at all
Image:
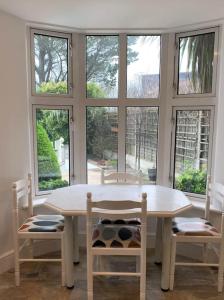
{"x":200,"y":55}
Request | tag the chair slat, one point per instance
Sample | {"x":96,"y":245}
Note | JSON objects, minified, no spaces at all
{"x":121,"y":178}
{"x":114,"y":216}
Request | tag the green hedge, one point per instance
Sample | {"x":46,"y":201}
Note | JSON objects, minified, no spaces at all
{"x":52,"y":184}
{"x":192,"y":181}
{"x":48,"y":165}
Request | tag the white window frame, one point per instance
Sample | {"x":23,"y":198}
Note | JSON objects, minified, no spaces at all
{"x":69,"y":61}
{"x":78,"y":102}
{"x":215,"y":63}
{"x":71,"y":143}
{"x":122,"y":102}
{"x":173,"y":143}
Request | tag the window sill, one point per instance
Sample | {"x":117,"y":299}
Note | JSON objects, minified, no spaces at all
{"x":38,"y":201}
{"x":199,"y":204}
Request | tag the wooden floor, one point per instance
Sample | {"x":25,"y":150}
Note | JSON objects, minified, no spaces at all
{"x":42,"y":281}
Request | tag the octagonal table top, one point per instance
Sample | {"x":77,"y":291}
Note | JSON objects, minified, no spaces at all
{"x":161,"y":201}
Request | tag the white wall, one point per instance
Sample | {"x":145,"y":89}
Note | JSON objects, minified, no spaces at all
{"x":14,"y":134}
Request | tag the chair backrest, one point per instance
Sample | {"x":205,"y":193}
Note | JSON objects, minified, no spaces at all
{"x":217,"y":196}
{"x":121,"y":178}
{"x":22,"y":196}
{"x":208,"y":198}
{"x":111,"y":209}
{"x":214,"y":196}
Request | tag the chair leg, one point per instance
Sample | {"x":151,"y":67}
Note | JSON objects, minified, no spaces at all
{"x":62,"y":261}
{"x":172,"y":261}
{"x":143,"y":276}
{"x":17,"y":263}
{"x":89,"y":275}
{"x":90,"y":284}
{"x":221,"y":268}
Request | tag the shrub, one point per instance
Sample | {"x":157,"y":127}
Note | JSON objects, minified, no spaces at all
{"x":51,"y":87}
{"x":192,"y":181}
{"x":52,"y":184}
{"x":94,"y":90}
{"x":61,"y":87}
{"x":48,"y":165}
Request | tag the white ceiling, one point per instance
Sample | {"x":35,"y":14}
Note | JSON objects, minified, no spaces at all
{"x":116,"y":14}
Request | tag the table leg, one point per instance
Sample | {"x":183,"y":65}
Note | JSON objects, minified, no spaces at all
{"x":167,"y":231}
{"x":75,"y":240}
{"x":158,"y":246}
{"x":69,"y":252}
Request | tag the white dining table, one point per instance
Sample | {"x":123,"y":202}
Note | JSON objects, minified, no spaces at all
{"x":162,"y":202}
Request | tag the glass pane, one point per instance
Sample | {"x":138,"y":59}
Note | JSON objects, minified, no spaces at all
{"x":102,"y":60}
{"x":101,"y":141}
{"x":141,"y":141}
{"x":51,"y":64}
{"x":52,"y":133}
{"x":143,"y":66}
{"x":191,"y":150}
{"x":196,"y":55}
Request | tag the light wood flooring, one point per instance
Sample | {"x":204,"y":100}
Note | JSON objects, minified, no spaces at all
{"x":42,"y":282}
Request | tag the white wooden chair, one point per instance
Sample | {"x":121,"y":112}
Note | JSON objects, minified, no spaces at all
{"x":121,"y":178}
{"x":198,"y":230}
{"x":39,"y":227}
{"x":121,"y":240}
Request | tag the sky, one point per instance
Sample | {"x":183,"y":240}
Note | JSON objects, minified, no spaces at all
{"x":148,"y":62}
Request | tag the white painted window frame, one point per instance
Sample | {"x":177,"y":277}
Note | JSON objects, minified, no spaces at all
{"x":215,"y":63}
{"x":173,"y":138}
{"x":69,"y":61}
{"x":122,"y":102}
{"x":79,"y":102}
{"x":71,"y":143}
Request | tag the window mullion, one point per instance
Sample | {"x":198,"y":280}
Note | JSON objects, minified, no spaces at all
{"x":122,"y":84}
{"x":122,"y":95}
{"x":121,"y":137}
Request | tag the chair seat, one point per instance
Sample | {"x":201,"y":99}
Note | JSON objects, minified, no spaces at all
{"x":116,"y":236}
{"x":193,"y":227}
{"x":43,"y":223}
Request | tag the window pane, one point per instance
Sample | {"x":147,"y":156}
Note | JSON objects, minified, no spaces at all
{"x":141,"y":141}
{"x":52,"y":133}
{"x":143,"y":66}
{"x":102,"y":66}
{"x":101,"y":141}
{"x":196,"y":55}
{"x":191,"y":150}
{"x":51,"y":64}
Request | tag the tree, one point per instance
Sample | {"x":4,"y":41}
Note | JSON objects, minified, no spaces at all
{"x":55,"y":122}
{"x":50,"y":58}
{"x":102,"y":59}
{"x":99,"y":132}
{"x":200,"y":54}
